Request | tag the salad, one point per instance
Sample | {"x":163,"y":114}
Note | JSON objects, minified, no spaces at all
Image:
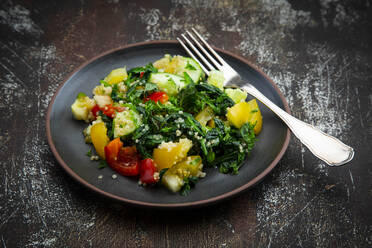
{"x":166,"y":121}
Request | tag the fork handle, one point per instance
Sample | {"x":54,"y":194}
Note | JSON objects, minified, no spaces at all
{"x":326,"y":147}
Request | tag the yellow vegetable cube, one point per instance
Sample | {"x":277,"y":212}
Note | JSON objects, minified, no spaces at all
{"x":171,"y":65}
{"x":204,"y":116}
{"x":238,"y":114}
{"x":244,"y":112}
{"x":98,"y":134}
{"x":164,"y":64}
{"x":255,"y":116}
{"x":211,"y":123}
{"x":169,"y":153}
{"x":116,"y":76}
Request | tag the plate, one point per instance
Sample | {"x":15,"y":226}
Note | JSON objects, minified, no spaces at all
{"x":67,"y":142}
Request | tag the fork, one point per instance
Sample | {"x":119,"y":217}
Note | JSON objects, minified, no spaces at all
{"x":325,"y":147}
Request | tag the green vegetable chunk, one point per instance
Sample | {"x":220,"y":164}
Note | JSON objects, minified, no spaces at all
{"x":126,"y":122}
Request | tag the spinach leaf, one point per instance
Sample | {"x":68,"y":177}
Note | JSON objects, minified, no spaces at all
{"x":234,"y":146}
{"x":195,"y":97}
{"x":146,"y":70}
{"x":108,"y":123}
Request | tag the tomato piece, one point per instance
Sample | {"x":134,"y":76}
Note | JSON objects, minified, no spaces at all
{"x":109,"y":110}
{"x":127,"y":162}
{"x":157,"y":96}
{"x":119,"y":108}
{"x":147,"y":171}
{"x":112,"y":150}
{"x":95,"y":111}
{"x":141,"y":74}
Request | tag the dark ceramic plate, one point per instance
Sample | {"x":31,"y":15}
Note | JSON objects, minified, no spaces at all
{"x":67,"y":142}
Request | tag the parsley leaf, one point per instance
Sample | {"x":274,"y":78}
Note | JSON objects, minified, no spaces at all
{"x":105,"y":83}
{"x":102,"y":164}
{"x":89,"y":153}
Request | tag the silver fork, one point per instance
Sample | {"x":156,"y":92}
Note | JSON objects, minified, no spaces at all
{"x":326,"y":147}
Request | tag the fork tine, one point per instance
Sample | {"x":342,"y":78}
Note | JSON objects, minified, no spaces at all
{"x":198,"y":53}
{"x":209,"y":47}
{"x":192,"y":55}
{"x":218,"y":65}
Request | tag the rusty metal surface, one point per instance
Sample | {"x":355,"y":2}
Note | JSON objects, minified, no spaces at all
{"x":318,"y":52}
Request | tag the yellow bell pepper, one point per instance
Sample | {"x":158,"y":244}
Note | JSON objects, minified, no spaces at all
{"x":169,"y":153}
{"x":238,"y":114}
{"x":244,"y":112}
{"x":255,"y":116}
{"x":98,"y":134}
{"x":116,"y":76}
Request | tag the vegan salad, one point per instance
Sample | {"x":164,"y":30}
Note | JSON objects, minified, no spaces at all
{"x":165,"y":121}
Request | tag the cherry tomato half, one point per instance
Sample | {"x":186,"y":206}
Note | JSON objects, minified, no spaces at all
{"x":126,"y":162}
{"x":95,"y":110}
{"x":157,"y":96}
{"x":108,"y":110}
{"x":147,"y":171}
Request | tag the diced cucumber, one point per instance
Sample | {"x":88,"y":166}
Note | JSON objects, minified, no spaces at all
{"x":173,"y":177}
{"x":173,"y":182}
{"x":126,"y":122}
{"x":216,"y":78}
{"x":192,"y":68}
{"x":167,"y":82}
{"x":237,"y":95}
{"x":81,"y":107}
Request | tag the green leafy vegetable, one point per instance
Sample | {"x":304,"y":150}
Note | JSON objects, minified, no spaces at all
{"x":81,"y":95}
{"x":104,"y":83}
{"x":223,"y":146}
{"x":89,"y":153}
{"x":108,"y":123}
{"x":189,"y":183}
{"x":102,"y":164}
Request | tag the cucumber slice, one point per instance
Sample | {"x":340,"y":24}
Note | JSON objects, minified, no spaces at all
{"x":167,"y":82}
{"x":126,"y":122}
{"x":216,"y":78}
{"x":192,"y":68}
{"x":237,"y":95}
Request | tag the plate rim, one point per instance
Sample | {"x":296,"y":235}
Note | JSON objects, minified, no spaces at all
{"x":203,"y":202}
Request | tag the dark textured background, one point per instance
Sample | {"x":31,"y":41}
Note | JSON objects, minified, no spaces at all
{"x":318,"y":52}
